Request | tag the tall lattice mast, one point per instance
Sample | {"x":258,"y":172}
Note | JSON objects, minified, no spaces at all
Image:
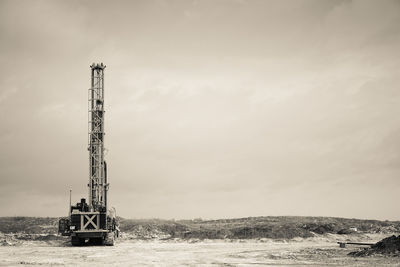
{"x":97,"y":166}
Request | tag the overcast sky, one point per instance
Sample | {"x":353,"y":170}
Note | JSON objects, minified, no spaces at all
{"x":214,"y":109}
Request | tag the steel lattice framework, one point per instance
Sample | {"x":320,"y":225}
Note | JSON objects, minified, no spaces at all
{"x":97,"y":166}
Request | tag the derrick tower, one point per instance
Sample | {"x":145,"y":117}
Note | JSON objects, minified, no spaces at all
{"x":97,"y":166}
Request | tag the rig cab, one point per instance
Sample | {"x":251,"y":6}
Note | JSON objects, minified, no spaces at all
{"x":96,"y":227}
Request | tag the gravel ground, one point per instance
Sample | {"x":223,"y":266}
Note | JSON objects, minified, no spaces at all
{"x":300,"y":252}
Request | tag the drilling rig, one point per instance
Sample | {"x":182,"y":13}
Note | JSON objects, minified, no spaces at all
{"x":92,"y":221}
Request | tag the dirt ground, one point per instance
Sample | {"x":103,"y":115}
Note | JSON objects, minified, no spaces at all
{"x":316,"y":251}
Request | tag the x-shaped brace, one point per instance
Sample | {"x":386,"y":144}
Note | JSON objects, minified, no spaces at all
{"x":90,"y":221}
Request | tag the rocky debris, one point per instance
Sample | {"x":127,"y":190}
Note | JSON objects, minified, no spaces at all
{"x":38,"y":237}
{"x":144,"y":233}
{"x":17,"y":239}
{"x":388,"y":246}
{"x":387,"y":229}
{"x":9,"y":240}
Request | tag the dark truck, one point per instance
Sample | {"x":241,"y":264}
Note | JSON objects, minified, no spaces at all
{"x":84,"y":226}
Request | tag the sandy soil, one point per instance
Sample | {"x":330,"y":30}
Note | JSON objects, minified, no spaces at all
{"x":318,"y":251}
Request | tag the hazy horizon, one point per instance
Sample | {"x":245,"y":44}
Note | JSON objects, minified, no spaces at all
{"x":214,"y":109}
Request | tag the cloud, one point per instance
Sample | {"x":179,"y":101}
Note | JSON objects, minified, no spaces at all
{"x":6,"y":94}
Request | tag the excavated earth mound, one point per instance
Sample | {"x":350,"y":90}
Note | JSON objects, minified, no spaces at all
{"x":388,"y":246}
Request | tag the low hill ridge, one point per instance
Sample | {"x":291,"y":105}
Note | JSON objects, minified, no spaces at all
{"x":275,"y":227}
